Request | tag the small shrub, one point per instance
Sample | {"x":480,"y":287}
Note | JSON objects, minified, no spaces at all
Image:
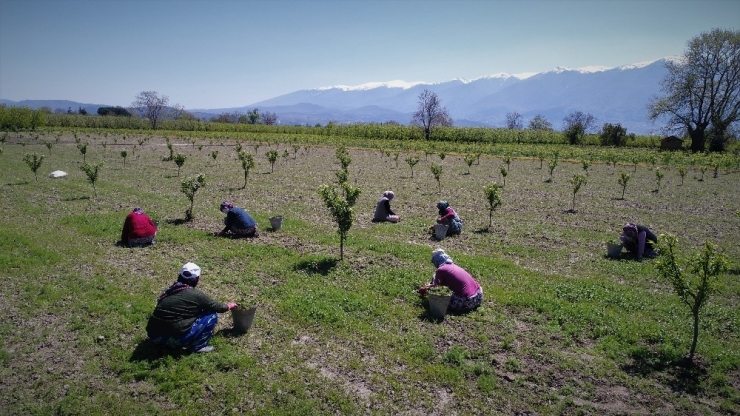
{"x":577,"y":181}
{"x":272,"y":156}
{"x":92,"y":172}
{"x":189,"y":187}
{"x":412,"y":161}
{"x":504,"y":172}
{"x":437,"y":172}
{"x":124,"y":154}
{"x":694,"y":278}
{"x":624,"y":178}
{"x":469,"y":159}
{"x":34,"y":162}
{"x":493,"y":196}
{"x":179,"y":160}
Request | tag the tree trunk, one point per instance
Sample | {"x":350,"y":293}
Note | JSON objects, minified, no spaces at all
{"x":692,"y":350}
{"x":698,"y":140}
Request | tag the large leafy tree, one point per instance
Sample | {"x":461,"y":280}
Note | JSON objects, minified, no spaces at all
{"x":150,"y":106}
{"x":539,"y":122}
{"x":576,"y":125}
{"x":430,"y":114}
{"x":702,"y":90}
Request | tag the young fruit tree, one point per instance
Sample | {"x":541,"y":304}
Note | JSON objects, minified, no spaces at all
{"x":189,"y":187}
{"x":624,"y":178}
{"x":437,"y":172}
{"x":504,"y":172}
{"x":341,"y":209}
{"x":214,"y":155}
{"x":124,"y":154}
{"x":658,"y":177}
{"x":682,"y":172}
{"x":247,"y":164}
{"x":412,"y":161}
{"x":272,"y":156}
{"x":179,"y":160}
{"x":578,"y":180}
{"x":83,"y":150}
{"x":469,"y":160}
{"x":493,"y":196}
{"x":92,"y":172}
{"x":34,"y":162}
{"x":551,"y":167}
{"x":693,"y":278}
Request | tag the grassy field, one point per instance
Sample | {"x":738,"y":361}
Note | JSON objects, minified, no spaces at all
{"x":562,"y":330}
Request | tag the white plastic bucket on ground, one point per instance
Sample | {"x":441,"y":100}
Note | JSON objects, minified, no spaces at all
{"x":243,"y":318}
{"x":438,"y":305}
{"x":276,"y":222}
{"x":440,"y":231}
{"x":613,"y":250}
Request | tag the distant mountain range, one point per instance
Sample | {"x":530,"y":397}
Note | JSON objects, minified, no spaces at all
{"x":612,"y":95}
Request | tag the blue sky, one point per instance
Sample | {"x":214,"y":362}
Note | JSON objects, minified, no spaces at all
{"x":222,"y":54}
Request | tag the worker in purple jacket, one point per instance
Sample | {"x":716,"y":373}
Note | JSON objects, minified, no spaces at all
{"x":467,"y":294}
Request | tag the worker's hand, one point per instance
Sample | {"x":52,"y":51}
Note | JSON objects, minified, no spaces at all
{"x":423,"y":289}
{"x":231,"y":305}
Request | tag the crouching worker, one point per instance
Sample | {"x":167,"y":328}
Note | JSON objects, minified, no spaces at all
{"x":467,"y":294}
{"x":238,"y":222}
{"x":138,"y":229}
{"x":185,"y":317}
{"x":448,"y":217}
{"x":383,"y":210}
{"x":640,"y":240}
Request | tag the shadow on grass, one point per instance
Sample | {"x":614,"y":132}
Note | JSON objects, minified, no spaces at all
{"x":485,"y":230}
{"x":176,"y":221}
{"x":320,"y":266}
{"x":680,"y":373}
{"x":17,"y":183}
{"x":149,"y":351}
{"x":75,"y":198}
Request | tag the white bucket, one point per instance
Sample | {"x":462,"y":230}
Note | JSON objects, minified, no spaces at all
{"x":440,"y":231}
{"x":276,"y":222}
{"x":613,"y":250}
{"x":243,"y":318}
{"x":438,"y":305}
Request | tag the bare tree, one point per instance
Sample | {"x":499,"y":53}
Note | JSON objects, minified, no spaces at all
{"x":430,"y":113}
{"x":513,"y":121}
{"x":703,"y":90}
{"x":539,"y":122}
{"x":269,"y":118}
{"x":150,"y":106}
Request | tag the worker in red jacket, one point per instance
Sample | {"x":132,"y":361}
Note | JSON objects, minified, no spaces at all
{"x":138,"y":229}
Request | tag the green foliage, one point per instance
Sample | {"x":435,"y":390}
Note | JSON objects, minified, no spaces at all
{"x":694,"y":278}
{"x":585,"y":164}
{"x":48,"y":145}
{"x":34,"y":162}
{"x":92,"y":172}
{"x":469,"y":160}
{"x":124,"y":154}
{"x":682,"y":172}
{"x":551,"y":165}
{"x":179,"y":160}
{"x":504,"y":172}
{"x":493,"y":196}
{"x":613,"y":135}
{"x":82,"y":147}
{"x":247,"y":161}
{"x":659,"y":176}
{"x":437,"y":172}
{"x":412,"y":161}
{"x":272,"y":156}
{"x":189,"y":187}
{"x":21,"y":118}
{"x":343,"y":157}
{"x":341,"y":209}
{"x":577,"y":181}
{"x":214,"y":154}
{"x":624,"y":178}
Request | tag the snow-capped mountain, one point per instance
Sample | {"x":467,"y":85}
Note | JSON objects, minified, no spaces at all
{"x":612,"y":95}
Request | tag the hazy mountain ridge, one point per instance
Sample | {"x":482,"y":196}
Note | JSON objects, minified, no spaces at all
{"x":616,"y":95}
